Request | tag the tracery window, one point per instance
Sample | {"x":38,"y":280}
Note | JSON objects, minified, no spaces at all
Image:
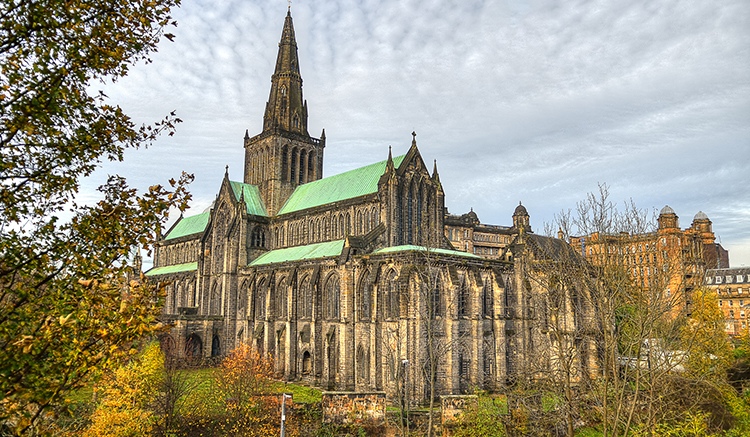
{"x":280,"y":303}
{"x":391,"y":296}
{"x":487,"y":298}
{"x":332,"y":292}
{"x":305,"y":299}
{"x":364,"y":297}
{"x":435,"y":301}
{"x":260,"y":300}
{"x":463,"y":297}
{"x":258,"y":238}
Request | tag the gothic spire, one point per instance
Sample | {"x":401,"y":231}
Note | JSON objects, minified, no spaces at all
{"x":286,"y":108}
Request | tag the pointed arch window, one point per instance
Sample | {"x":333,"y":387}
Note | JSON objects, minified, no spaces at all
{"x":391,"y":296}
{"x":435,"y":301}
{"x":281,"y":299}
{"x":463,"y":297}
{"x":258,"y":237}
{"x":332,"y":292}
{"x":260,"y":300}
{"x":487,"y":298}
{"x":284,"y":163}
{"x":364,"y":297}
{"x":310,"y":166}
{"x":419,"y":215}
{"x":293,"y":165}
{"x":305,"y":299}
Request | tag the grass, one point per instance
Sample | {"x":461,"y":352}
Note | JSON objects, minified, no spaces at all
{"x":588,"y":432}
{"x":202,"y":392}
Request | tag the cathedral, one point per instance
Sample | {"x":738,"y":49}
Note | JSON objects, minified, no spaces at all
{"x":344,"y":280}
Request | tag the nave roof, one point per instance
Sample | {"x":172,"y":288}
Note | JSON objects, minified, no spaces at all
{"x":347,"y":185}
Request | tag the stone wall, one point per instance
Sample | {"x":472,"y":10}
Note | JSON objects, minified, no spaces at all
{"x":354,"y":408}
{"x":451,"y":407}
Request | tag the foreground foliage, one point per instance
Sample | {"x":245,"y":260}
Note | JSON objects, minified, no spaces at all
{"x":68,"y":307}
{"x":127,"y":393}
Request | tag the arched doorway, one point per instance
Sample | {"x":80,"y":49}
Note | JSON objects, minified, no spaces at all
{"x":306,"y":363}
{"x":215,"y":346}
{"x":193,"y":346}
{"x":166,"y":343}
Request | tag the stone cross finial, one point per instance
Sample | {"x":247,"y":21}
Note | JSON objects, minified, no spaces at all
{"x":414,"y":136}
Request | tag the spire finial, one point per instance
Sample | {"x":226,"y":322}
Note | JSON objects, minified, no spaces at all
{"x":226,"y":170}
{"x":413,"y":138}
{"x":289,"y":8}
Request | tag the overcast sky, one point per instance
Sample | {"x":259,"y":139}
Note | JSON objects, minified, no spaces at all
{"x":534,"y":101}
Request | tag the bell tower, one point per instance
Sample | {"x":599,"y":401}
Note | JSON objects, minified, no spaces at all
{"x":284,"y":155}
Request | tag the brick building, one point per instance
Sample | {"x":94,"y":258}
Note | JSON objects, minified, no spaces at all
{"x":333,"y":276}
{"x":670,"y":258}
{"x":732,"y":287}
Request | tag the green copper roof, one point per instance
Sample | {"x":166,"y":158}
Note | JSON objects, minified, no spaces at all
{"x":408,"y":247}
{"x":354,"y":183}
{"x":253,"y":200}
{"x":172,"y":269}
{"x":189,"y":225}
{"x":311,"y":251}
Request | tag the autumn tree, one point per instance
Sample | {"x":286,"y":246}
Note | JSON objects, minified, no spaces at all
{"x":127,"y":395}
{"x":67,"y":305}
{"x":649,"y":346}
{"x":243,"y":383}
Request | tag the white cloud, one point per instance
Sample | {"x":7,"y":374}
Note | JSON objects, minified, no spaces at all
{"x":518,"y":100}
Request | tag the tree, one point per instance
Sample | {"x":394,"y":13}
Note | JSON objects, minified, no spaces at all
{"x":432,"y":307}
{"x":244,"y":386}
{"x":127,"y":394}
{"x":68,"y":306}
{"x":654,"y":339}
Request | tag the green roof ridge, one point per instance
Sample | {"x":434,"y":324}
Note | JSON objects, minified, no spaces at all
{"x":410,"y":247}
{"x":347,"y":185}
{"x":253,"y":200}
{"x":187,"y":267}
{"x":189,"y":225}
{"x":299,"y":253}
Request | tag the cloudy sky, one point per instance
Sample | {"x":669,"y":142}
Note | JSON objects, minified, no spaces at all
{"x":518,"y":100}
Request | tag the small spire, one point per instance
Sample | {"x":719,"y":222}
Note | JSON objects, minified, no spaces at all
{"x":226,"y":171}
{"x":247,"y":134}
{"x":389,"y":166}
{"x":435,"y":175}
{"x":390,"y":154}
{"x":323,"y":135}
{"x":413,"y":138}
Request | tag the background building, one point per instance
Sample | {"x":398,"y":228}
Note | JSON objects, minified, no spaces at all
{"x":670,"y":258}
{"x":732,"y":287}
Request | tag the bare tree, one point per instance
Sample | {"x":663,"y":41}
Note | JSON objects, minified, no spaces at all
{"x":175,"y":389}
{"x":642,"y":321}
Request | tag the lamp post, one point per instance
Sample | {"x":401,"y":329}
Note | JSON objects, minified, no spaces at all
{"x":283,"y":412}
{"x":405,"y":363}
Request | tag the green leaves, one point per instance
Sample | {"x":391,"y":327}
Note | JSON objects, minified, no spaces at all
{"x":70,"y":303}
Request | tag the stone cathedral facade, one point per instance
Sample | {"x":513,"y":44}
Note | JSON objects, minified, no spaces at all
{"x":341,"y":279}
